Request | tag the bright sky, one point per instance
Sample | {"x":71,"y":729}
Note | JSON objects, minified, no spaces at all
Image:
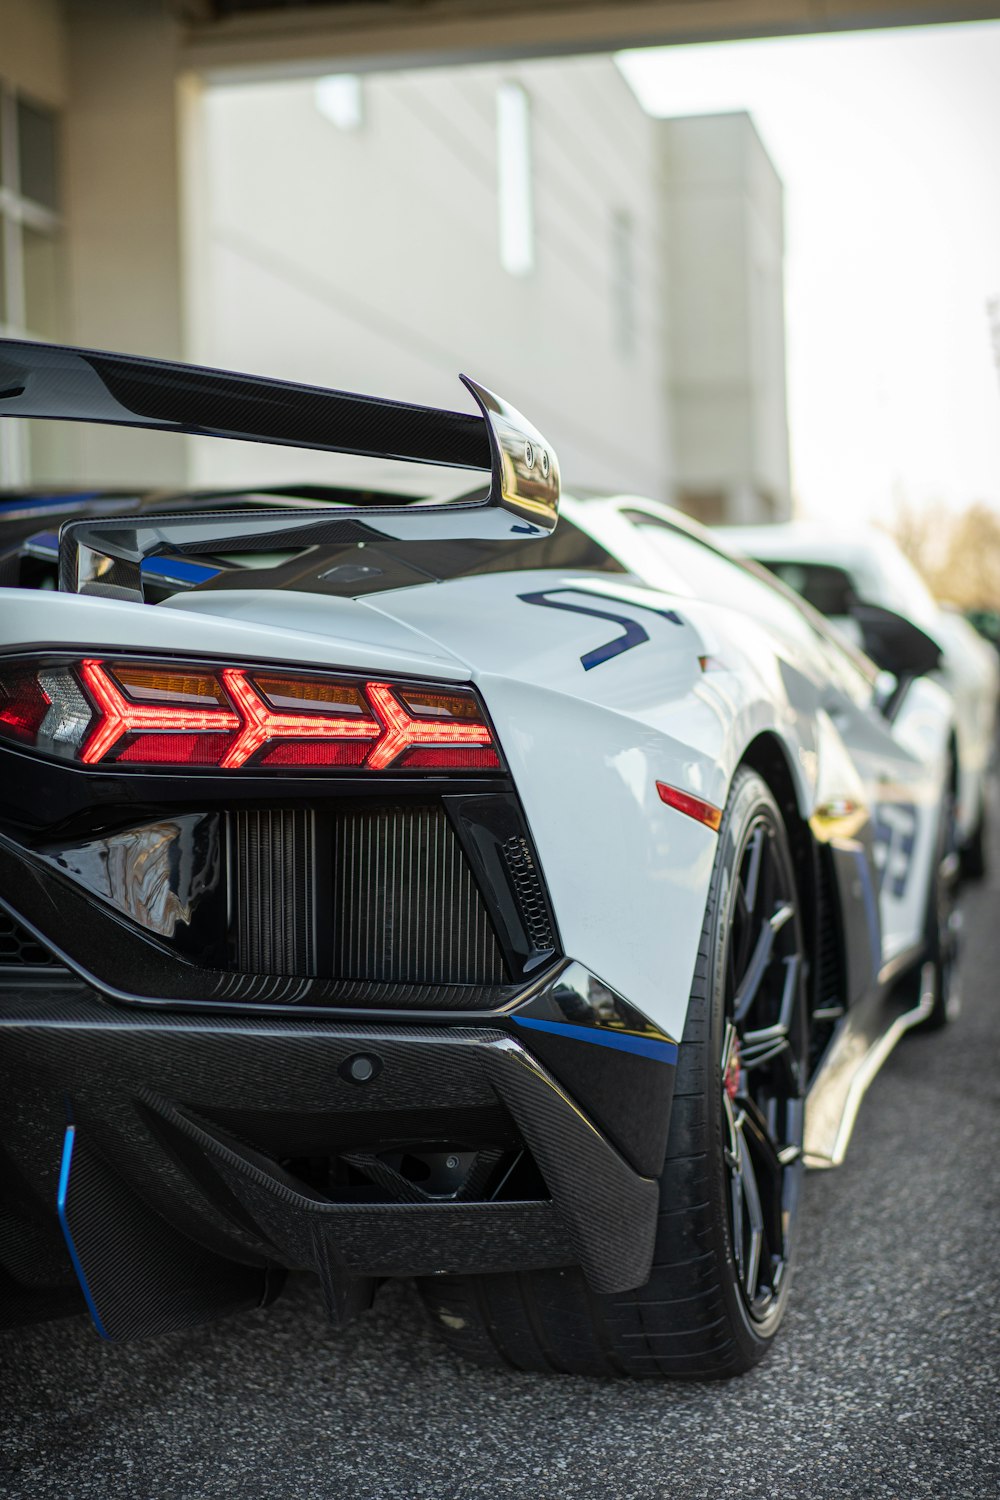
{"x":888,"y":144}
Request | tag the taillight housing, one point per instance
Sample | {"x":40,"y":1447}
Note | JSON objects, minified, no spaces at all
{"x":145,"y":713}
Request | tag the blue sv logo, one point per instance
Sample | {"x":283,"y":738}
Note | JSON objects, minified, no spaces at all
{"x":634,"y":635}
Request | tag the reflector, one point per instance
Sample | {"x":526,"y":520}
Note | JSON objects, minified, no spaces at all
{"x":693,"y":807}
{"x":174,"y":750}
{"x":155,"y":685}
{"x":455,"y":759}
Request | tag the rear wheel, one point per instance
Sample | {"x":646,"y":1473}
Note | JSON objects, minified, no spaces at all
{"x":944,"y":923}
{"x":974,"y":856}
{"x":730,"y":1182}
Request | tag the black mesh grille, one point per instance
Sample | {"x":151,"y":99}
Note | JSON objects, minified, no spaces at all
{"x":19,"y":950}
{"x":828,"y":985}
{"x":272,"y":872}
{"x":405,"y":907}
{"x":534,"y":911}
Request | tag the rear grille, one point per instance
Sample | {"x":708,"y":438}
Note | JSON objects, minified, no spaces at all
{"x":272,"y":872}
{"x":372,"y":894}
{"x":405,"y":906}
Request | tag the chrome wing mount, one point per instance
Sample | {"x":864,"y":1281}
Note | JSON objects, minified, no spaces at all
{"x":105,"y":555}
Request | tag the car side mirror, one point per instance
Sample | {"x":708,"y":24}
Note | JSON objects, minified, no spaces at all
{"x":894,"y":643}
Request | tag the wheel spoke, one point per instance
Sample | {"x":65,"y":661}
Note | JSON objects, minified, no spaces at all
{"x":764,"y":1052}
{"x":755,"y":1215}
{"x":752,"y":878}
{"x":766,"y":1043}
{"x":769,"y":1173}
{"x":747,"y":992}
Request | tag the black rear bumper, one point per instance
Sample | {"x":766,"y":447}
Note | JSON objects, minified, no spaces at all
{"x":163,"y":1158}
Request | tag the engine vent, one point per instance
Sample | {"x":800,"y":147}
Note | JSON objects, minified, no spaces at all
{"x":528,"y":887}
{"x":272,"y":873}
{"x":405,"y":906}
{"x":19,"y":950}
{"x":371,"y":893}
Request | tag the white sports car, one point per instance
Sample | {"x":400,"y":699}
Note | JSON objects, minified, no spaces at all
{"x":437,"y":891}
{"x":842,"y":573}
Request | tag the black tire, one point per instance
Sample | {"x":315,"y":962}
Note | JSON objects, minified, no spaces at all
{"x":975,"y":860}
{"x":943,"y":923}
{"x":696,"y":1317}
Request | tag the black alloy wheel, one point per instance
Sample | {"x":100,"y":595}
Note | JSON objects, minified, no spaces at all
{"x":764,"y":1061}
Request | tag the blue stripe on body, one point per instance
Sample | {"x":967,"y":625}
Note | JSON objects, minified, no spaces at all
{"x":40,"y":502}
{"x":171,"y":569}
{"x":64,"y":1171}
{"x":665,"y":1052}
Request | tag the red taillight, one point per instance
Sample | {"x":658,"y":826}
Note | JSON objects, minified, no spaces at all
{"x":120,"y":716}
{"x":261,"y":724}
{"x":174,"y":750}
{"x":23,"y":705}
{"x":403,"y":732}
{"x":135,"y":713}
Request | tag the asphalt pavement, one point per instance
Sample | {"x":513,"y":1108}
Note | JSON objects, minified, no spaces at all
{"x":885,"y":1381}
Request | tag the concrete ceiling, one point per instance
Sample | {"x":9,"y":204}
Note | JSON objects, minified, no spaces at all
{"x":254,"y":37}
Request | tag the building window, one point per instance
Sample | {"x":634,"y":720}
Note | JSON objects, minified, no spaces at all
{"x":517,"y":236}
{"x":339,"y":100}
{"x":623,"y":282}
{"x":31,"y":277}
{"x":36,"y":155}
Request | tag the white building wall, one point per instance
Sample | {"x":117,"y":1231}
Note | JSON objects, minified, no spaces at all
{"x":724,"y":235}
{"x":238,"y":226}
{"x":369,"y":258}
{"x":122,"y":220}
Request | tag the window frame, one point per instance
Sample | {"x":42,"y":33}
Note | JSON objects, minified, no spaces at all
{"x":18,"y":213}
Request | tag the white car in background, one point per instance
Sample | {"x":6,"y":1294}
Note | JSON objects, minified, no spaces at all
{"x":842,"y":574}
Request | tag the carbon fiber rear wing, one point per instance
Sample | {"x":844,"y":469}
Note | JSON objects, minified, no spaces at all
{"x":105,"y":555}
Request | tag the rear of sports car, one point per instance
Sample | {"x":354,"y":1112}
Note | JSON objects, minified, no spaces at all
{"x":281,"y":982}
{"x":281,"y":986}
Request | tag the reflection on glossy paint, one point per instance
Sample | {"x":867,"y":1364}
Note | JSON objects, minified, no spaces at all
{"x":574,"y":996}
{"x":154,"y":874}
{"x":633,"y":768}
{"x":838,"y":818}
